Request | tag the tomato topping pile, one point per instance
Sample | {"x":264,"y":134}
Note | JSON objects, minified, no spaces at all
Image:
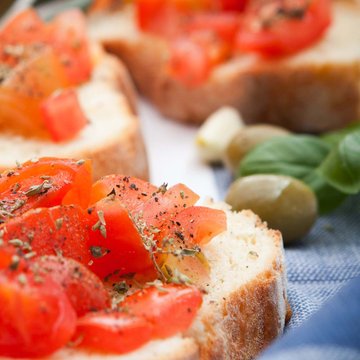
{"x":203,"y":34}
{"x":39,"y":63}
{"x":105,"y":267}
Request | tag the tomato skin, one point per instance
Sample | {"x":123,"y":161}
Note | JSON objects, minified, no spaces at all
{"x":8,"y":253}
{"x":22,"y":29}
{"x":165,"y":204}
{"x":49,"y":231}
{"x":233,"y":5}
{"x":85,"y":291}
{"x":189,"y":62}
{"x":70,"y":183}
{"x":39,"y":76}
{"x":114,"y":332}
{"x":199,"y":224}
{"x":36,"y":317}
{"x":170,"y":311}
{"x":15,"y":112}
{"x":63,"y":115}
{"x":130,"y":191}
{"x":69,"y":39}
{"x":285,"y":37}
{"x":224,"y":25}
{"x":163,"y":17}
{"x":121,"y":248}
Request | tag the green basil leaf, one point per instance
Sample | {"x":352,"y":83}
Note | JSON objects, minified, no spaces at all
{"x":333,"y":138}
{"x":328,"y":197}
{"x":341,"y":169}
{"x":296,"y":155}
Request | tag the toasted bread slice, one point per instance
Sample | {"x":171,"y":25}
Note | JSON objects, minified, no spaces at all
{"x":315,"y":90}
{"x":112,"y":139}
{"x":245,"y":304}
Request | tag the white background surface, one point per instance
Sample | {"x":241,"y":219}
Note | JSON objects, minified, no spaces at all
{"x":172,"y":153}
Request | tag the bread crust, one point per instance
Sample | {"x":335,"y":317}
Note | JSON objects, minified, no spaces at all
{"x":126,"y":154}
{"x":310,"y":97}
{"x":250,"y":317}
{"x":122,"y":151}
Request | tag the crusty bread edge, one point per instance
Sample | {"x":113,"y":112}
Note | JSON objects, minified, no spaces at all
{"x":252,"y":315}
{"x":257,"y":92}
{"x":125,"y":152}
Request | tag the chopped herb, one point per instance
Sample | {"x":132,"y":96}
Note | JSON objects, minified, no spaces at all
{"x":58,"y":252}
{"x":15,"y":261}
{"x":162,"y":189}
{"x":39,"y":189}
{"x":182,"y":194}
{"x":253,"y":254}
{"x":134,"y":187}
{"x":179,"y":234}
{"x":30,"y":255}
{"x":101,"y":224}
{"x":98,"y":252}
{"x":112,"y":192}
{"x":121,"y":288}
{"x":59,"y":223}
{"x":16,"y":242}
{"x":158,"y":284}
{"x":80,"y":162}
{"x":22,"y":279}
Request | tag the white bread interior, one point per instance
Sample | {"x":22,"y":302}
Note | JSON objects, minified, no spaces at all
{"x":315,"y":90}
{"x":112,"y":139}
{"x":245,"y":306}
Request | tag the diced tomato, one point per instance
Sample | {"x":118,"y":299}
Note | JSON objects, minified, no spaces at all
{"x":52,"y":231}
{"x":132,"y":192}
{"x":21,"y":114}
{"x":45,"y":182}
{"x":166,"y":203}
{"x":189,"y":62}
{"x":139,"y":196}
{"x":232,"y":5}
{"x":115,"y":332}
{"x":39,"y":76}
{"x":163,"y":17}
{"x":279,"y":36}
{"x":36,"y":317}
{"x":69,"y":39}
{"x":224,"y":25}
{"x":63,"y":115}
{"x":115,"y":243}
{"x":12,"y":258}
{"x":84,"y":289}
{"x":25,"y":28}
{"x":199,"y":224}
{"x":170,"y":310}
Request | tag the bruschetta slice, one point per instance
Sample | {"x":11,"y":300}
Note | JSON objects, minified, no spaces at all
{"x":123,"y":269}
{"x":62,"y":95}
{"x":293,"y":65}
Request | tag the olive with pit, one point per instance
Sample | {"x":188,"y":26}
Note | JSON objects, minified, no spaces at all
{"x":285,"y":203}
{"x":246,"y":139}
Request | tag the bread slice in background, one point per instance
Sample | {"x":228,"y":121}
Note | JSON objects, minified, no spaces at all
{"x":245,"y":305}
{"x":112,"y":139}
{"x":315,"y":90}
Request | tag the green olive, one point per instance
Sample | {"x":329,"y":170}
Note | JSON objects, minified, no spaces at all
{"x":285,"y":203}
{"x":246,"y":139}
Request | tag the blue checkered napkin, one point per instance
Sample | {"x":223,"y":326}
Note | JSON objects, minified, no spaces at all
{"x":324,"y":261}
{"x":332,"y":333}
